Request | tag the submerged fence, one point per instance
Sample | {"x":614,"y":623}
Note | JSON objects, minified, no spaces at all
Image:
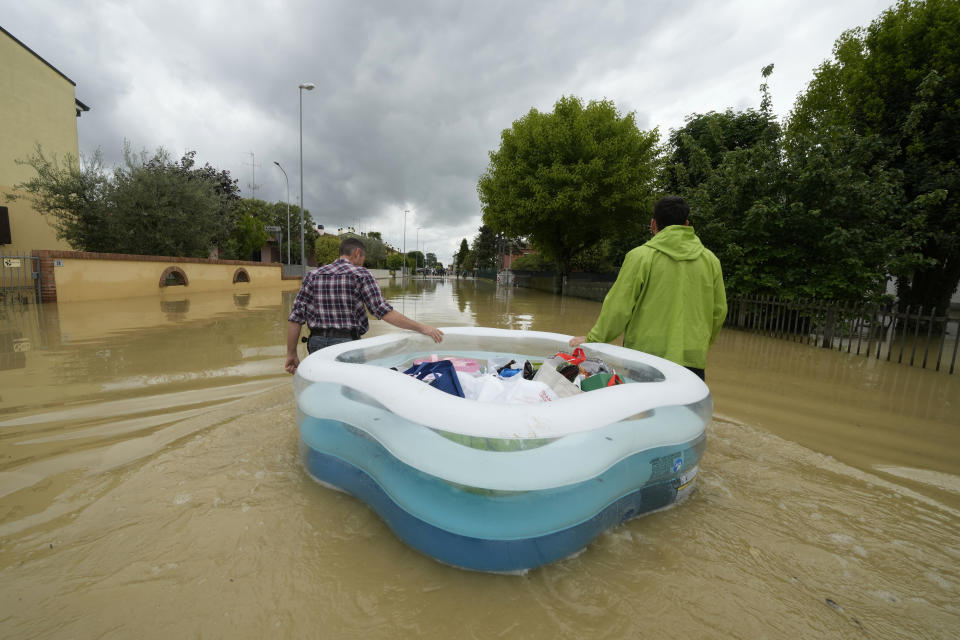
{"x":19,"y":279}
{"x":914,"y":336}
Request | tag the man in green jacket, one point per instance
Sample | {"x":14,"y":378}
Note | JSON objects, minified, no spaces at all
{"x":669,"y":299}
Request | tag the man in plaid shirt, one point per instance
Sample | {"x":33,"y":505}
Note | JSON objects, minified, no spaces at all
{"x":331,"y":303}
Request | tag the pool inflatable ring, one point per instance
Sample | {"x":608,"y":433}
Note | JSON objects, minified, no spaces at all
{"x":498,"y":487}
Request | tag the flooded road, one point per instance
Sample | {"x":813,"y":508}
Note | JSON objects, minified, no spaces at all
{"x":150,"y":487}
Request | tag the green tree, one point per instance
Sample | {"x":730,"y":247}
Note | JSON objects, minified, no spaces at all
{"x":794,"y":221}
{"x":74,"y":195}
{"x":461,"y":254}
{"x":326,"y":249}
{"x":430,"y":260}
{"x":532,"y":262}
{"x":485,"y":248}
{"x":415,"y":259}
{"x":699,"y":146}
{"x":567,"y":179}
{"x":249,"y":236}
{"x":150,"y":205}
{"x":376,"y":250}
{"x":896,"y":84}
{"x":394,"y":261}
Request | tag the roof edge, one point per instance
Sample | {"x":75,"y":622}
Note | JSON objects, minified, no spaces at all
{"x":38,"y":56}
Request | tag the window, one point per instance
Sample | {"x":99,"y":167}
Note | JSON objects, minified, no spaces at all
{"x":5,"y":237}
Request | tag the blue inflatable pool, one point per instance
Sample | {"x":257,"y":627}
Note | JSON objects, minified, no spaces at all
{"x":498,"y":487}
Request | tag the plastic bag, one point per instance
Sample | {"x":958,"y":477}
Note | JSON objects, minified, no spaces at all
{"x":512,"y":390}
{"x":577,"y":357}
{"x":485,"y":388}
{"x":593,"y":366}
{"x":505,"y":367}
{"x":521,"y":391}
{"x":600,"y":380}
{"x":440,"y":374}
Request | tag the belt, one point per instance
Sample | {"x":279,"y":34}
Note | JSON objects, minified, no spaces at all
{"x":333,"y":333}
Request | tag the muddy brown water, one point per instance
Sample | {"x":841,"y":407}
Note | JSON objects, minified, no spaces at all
{"x":150,"y":487}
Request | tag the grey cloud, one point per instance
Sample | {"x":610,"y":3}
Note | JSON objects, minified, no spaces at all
{"x":411,"y":96}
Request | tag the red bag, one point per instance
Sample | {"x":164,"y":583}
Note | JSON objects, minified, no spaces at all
{"x":577,"y":357}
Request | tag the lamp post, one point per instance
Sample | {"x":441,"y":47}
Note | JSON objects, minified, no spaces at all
{"x":303,"y":254}
{"x":403,"y":269}
{"x":288,"y":211}
{"x":418,"y":247}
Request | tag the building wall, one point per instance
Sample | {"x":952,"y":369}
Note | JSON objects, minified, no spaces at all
{"x":37,"y":106}
{"x":73,"y":276}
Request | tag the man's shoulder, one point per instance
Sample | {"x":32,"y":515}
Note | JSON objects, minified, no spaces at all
{"x":338,"y":267}
{"x":711,"y":256}
{"x":638,"y":253}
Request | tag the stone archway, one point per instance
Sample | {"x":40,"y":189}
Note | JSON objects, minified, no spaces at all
{"x":241,"y":275}
{"x":173,"y":276}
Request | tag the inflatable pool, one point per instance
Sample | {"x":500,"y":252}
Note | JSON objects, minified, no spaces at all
{"x":490,"y":486}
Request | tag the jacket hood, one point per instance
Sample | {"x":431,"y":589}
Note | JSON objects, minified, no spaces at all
{"x":677,"y":241}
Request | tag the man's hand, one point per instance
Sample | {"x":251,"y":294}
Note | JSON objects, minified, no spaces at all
{"x":293,"y":341}
{"x":401,"y":321}
{"x":432,"y":332}
{"x":292,"y":363}
{"x":576,"y":341}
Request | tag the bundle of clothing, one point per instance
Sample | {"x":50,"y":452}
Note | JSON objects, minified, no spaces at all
{"x":512,"y":381}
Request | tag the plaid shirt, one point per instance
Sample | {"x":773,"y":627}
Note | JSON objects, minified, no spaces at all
{"x":333,"y":297}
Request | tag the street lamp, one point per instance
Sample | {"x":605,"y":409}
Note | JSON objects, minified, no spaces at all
{"x":288,"y":211}
{"x":403,"y":270}
{"x":418,"y":247}
{"x":303,"y":254}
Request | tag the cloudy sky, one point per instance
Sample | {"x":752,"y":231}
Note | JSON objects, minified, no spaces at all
{"x":410,"y":95}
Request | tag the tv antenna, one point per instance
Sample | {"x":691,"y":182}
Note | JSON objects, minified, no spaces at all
{"x":253,"y":175}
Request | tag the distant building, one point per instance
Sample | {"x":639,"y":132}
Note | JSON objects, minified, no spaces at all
{"x":38,"y":105}
{"x":507,"y":258}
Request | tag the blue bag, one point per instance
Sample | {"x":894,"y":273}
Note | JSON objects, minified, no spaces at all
{"x":444,"y":375}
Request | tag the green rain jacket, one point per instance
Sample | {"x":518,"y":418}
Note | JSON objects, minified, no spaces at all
{"x":668,"y":299}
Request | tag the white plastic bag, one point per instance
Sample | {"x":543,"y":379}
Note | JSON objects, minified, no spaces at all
{"x":483,"y":388}
{"x":512,"y":390}
{"x":521,"y":391}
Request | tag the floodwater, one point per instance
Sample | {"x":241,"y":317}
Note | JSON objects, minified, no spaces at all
{"x":150,"y":488}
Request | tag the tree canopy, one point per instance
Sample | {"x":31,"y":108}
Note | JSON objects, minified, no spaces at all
{"x":895,"y":87}
{"x":326,"y":249}
{"x":151,"y":205}
{"x":394,"y":261}
{"x":275,"y":214}
{"x":567,"y":179}
{"x":698,"y":147}
{"x":461,"y":254}
{"x":812,"y":220}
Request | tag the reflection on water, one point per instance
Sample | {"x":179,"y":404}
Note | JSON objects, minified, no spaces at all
{"x":175,"y":309}
{"x":150,"y":487}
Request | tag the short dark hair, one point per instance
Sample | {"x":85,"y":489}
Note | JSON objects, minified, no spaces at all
{"x":350,"y":245}
{"x":671,"y":210}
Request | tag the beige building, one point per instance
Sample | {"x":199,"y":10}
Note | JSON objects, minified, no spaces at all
{"x":38,"y":105}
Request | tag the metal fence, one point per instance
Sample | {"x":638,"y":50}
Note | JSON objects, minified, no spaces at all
{"x":19,"y":279}
{"x":914,"y":336}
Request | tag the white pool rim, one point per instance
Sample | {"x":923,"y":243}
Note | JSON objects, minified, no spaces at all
{"x":422,"y":404}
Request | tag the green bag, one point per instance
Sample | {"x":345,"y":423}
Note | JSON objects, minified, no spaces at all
{"x":600,"y":380}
